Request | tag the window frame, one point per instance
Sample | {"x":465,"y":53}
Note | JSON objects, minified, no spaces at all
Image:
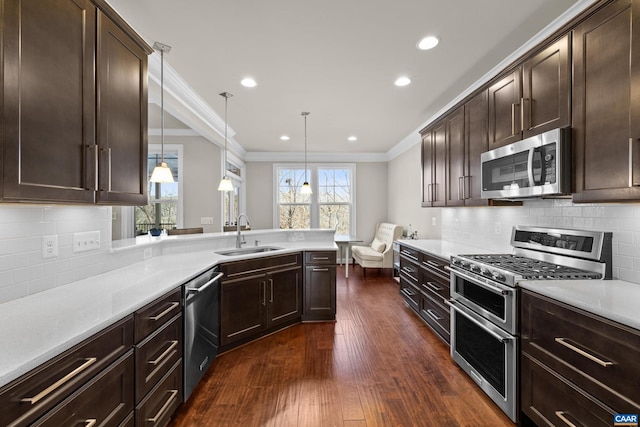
{"x":314,"y":204}
{"x":238,"y":181}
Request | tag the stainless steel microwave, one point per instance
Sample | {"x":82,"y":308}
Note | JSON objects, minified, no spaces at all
{"x":536,"y":166}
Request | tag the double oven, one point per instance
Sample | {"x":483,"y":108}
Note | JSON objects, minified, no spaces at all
{"x":485,"y":300}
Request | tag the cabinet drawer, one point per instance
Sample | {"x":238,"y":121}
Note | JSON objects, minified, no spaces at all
{"x":156,"y":355}
{"x":434,"y":285}
{"x":106,"y":400}
{"x":436,"y":316}
{"x":409,"y":253}
{"x":410,"y":271}
{"x":260,"y":265}
{"x":437,"y":266}
{"x":410,"y":293}
{"x":30,"y":396}
{"x":549,"y":400}
{"x":320,"y":257}
{"x":596,"y":354}
{"x":158,"y":407}
{"x":156,"y":313}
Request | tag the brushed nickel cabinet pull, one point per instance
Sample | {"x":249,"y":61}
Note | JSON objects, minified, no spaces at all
{"x":320,"y":258}
{"x":460,"y":189}
{"x":564,"y":342}
{"x":320,"y":269}
{"x":433,"y":264}
{"x":164,"y":313}
{"x":264,"y":293}
{"x":271,"y":285}
{"x":434,"y":287}
{"x":90,"y":422}
{"x":164,"y":354}
{"x":513,"y":118}
{"x":164,"y":408}
{"x":433,"y":315}
{"x":560,"y":414}
{"x":53,"y":387}
{"x":522,"y":128}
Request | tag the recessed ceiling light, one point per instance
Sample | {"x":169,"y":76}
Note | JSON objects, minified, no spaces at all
{"x":248,"y":82}
{"x":402,"y":81}
{"x":285,"y":138}
{"x":428,"y":42}
{"x":352,"y":138}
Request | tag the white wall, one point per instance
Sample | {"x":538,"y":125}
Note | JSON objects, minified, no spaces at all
{"x":404,"y":198}
{"x":371,"y":196}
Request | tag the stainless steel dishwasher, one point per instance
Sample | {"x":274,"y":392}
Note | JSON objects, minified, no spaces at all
{"x":201,"y":298}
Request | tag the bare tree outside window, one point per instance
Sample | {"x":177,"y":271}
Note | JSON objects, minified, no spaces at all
{"x":294,"y":207}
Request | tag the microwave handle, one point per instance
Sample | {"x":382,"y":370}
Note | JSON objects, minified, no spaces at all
{"x":532,"y":182}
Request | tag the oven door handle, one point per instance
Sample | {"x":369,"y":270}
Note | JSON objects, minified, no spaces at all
{"x":502,"y":339}
{"x":495,"y":289}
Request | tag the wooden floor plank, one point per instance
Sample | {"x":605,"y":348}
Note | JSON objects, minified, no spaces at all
{"x":378,"y":365}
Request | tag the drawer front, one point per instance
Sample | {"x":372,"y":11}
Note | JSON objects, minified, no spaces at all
{"x":436,"y":316}
{"x":151,"y":316}
{"x":409,"y":253}
{"x":156,"y":355}
{"x":33,"y":394}
{"x":434,"y":285}
{"x":320,"y":258}
{"x":410,"y":293}
{"x":438,"y":266}
{"x":263,"y":264}
{"x":549,"y":400}
{"x":410,"y":271}
{"x":596,"y":354}
{"x":106,"y":400}
{"x":159,"y":405}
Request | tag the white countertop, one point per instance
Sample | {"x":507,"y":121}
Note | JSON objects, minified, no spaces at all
{"x":442,"y":248}
{"x":616,"y":300}
{"x":36,"y":328}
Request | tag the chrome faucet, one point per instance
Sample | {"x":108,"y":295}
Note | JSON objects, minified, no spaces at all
{"x":239,"y":237}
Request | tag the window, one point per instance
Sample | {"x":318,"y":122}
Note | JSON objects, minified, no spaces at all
{"x":233,"y":202}
{"x":330,"y":205}
{"x":164,"y":210}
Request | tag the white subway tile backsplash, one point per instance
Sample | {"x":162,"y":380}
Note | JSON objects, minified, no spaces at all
{"x":622,"y":220}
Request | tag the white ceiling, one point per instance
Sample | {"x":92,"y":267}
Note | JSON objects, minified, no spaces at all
{"x":337,"y":59}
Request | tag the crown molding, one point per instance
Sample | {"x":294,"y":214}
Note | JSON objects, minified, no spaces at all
{"x":315,"y":157}
{"x":173,"y":132}
{"x":414,"y":138}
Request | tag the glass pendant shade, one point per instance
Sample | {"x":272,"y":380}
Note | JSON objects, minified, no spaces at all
{"x":162,"y":174}
{"x":306,"y":188}
{"x":225,"y":184}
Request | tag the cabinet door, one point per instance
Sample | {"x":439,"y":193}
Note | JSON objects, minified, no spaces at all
{"x":606,"y":99}
{"x":122,"y":117}
{"x":455,"y":157}
{"x":320,"y":292}
{"x":546,"y":89}
{"x":427,"y":169}
{"x":242,"y":308}
{"x":285,"y":296}
{"x":476,"y":140}
{"x":48,"y":124}
{"x":504,"y":110}
{"x":438,"y":188}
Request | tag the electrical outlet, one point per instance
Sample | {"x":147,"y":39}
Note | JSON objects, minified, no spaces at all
{"x":433,"y":221}
{"x":50,"y":246}
{"x":206,"y":220}
{"x":497,"y":228}
{"x":86,"y":241}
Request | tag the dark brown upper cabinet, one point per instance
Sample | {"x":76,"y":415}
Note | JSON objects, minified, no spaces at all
{"x":455,"y":158}
{"x":67,"y":128}
{"x":476,"y":143}
{"x":532,"y":98}
{"x":606,"y":104}
{"x":434,"y":157}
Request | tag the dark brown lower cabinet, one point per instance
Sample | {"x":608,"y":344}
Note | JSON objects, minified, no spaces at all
{"x":576,"y":366}
{"x":159,"y":405}
{"x":107,"y":400}
{"x":258,"y":296}
{"x":320,"y":286}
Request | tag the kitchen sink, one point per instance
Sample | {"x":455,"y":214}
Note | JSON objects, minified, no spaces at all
{"x":246,"y":251}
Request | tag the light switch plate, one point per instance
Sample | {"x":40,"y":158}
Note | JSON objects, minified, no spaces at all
{"x":86,"y":241}
{"x":206,"y":220}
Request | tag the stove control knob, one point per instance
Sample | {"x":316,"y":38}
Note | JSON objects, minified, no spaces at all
{"x":456,"y":261}
{"x":486,"y":272}
{"x":475,"y":268}
{"x":499,"y":276}
{"x":464,"y":264}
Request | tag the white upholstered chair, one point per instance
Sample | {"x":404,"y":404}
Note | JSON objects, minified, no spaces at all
{"x":379,"y":254}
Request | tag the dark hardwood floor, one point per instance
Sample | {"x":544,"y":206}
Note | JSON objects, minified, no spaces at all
{"x":378,"y":365}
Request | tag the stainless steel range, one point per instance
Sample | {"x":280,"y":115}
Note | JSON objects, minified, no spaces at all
{"x":484,"y":299}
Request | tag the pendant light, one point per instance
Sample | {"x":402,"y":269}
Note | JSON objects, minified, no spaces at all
{"x":225,"y":182}
{"x":162,"y":173}
{"x":306,"y":188}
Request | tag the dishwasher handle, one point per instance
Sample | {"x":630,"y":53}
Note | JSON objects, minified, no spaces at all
{"x":206,"y":285}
